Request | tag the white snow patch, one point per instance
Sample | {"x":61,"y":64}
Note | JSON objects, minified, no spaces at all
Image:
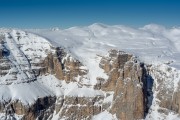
{"x":109,"y":98}
{"x":105,"y":116}
{"x":85,"y":92}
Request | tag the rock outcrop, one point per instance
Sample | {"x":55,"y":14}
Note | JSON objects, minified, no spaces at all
{"x":78,"y":108}
{"x":63,"y":66}
{"x":41,"y":109}
{"x":127,"y":79}
{"x":166,"y":90}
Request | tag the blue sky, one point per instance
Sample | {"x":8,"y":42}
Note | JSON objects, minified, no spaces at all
{"x":68,"y":13}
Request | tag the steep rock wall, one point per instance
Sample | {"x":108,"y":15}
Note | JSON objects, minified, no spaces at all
{"x":127,"y":79}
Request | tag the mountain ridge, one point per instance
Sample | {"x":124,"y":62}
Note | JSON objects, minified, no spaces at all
{"x":85,"y":69}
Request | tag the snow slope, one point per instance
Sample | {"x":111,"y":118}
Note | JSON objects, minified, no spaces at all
{"x":152,"y":43}
{"x":104,"y":116}
{"x":25,"y":49}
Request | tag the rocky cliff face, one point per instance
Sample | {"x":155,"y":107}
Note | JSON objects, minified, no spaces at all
{"x":41,"y":109}
{"x":63,"y":66}
{"x":58,"y":63}
{"x":127,"y":79}
{"x":166,"y":92}
{"x":47,"y":82}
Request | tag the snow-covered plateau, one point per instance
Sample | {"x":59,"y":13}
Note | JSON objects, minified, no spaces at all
{"x":96,"y":72}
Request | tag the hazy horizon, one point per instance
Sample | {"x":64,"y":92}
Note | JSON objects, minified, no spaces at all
{"x":69,"y":13}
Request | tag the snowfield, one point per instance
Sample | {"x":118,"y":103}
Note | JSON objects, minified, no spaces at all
{"x":152,"y":44}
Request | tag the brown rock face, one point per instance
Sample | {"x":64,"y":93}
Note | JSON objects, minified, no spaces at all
{"x":41,"y":109}
{"x":127,"y":82}
{"x":126,"y":78}
{"x":78,"y":108}
{"x":63,"y":66}
{"x":167,"y":92}
{"x":176,"y":102}
{"x":69,"y":107}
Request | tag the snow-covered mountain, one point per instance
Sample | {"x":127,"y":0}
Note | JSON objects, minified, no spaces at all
{"x":96,"y":72}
